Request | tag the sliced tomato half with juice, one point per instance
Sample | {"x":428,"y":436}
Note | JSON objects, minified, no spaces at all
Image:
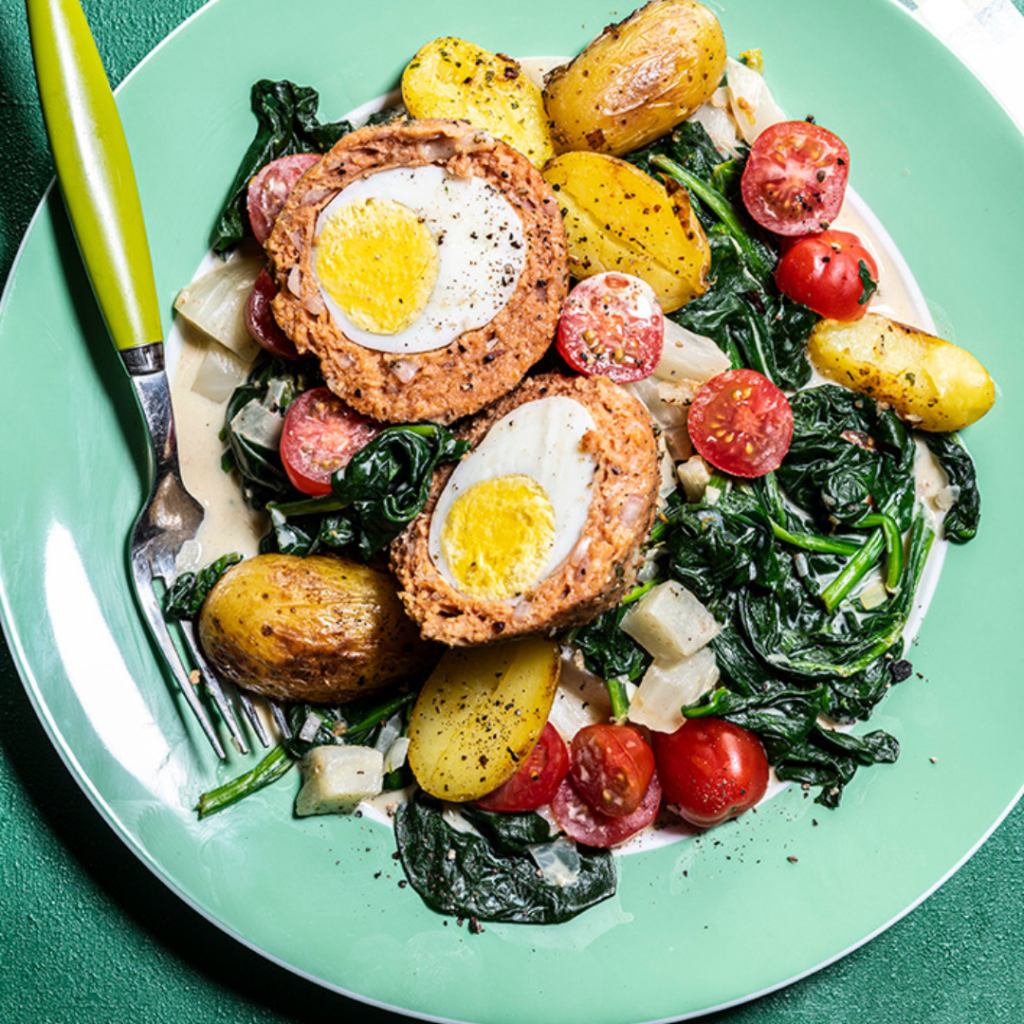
{"x":795,"y":178}
{"x":270,"y":188}
{"x":741,"y":423}
{"x":321,"y":434}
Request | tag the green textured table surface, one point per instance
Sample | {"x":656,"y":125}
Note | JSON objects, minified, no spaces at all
{"x":87,"y":935}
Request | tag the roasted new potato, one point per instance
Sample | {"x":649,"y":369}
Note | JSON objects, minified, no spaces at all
{"x":618,"y":218}
{"x":479,"y":714}
{"x":321,"y":629}
{"x":637,"y":80}
{"x":931,"y":383}
{"x":454,"y":79}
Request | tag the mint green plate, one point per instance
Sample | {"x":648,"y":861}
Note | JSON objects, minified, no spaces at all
{"x":695,"y":925}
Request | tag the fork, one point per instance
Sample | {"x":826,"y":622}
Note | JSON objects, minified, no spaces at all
{"x":96,"y":177}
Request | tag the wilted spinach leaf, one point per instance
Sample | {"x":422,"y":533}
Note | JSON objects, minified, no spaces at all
{"x":830,"y":759}
{"x":847,"y":458}
{"x":961,"y":522}
{"x":463,"y":874}
{"x":190,"y":589}
{"x":608,"y":652}
{"x":382,"y":489}
{"x":287,"y":124}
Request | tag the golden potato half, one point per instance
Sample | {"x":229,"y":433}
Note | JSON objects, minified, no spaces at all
{"x":637,"y":80}
{"x":321,"y":629}
{"x":618,"y":218}
{"x":479,"y":714}
{"x":455,"y":79}
{"x":931,"y":383}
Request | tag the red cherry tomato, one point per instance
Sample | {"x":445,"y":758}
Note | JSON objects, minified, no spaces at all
{"x":537,"y":779}
{"x":260,"y":322}
{"x":611,"y":767}
{"x":581,"y":822}
{"x":612,"y":325}
{"x":831,"y":273}
{"x":269,"y":189}
{"x":741,"y":423}
{"x":711,"y":770}
{"x":795,"y":178}
{"x":321,"y":433}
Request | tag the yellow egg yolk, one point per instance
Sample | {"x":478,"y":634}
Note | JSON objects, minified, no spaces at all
{"x":498,"y":537}
{"x":378,"y":261}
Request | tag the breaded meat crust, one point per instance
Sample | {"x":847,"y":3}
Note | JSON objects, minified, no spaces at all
{"x":603,"y":564}
{"x":480,"y":365}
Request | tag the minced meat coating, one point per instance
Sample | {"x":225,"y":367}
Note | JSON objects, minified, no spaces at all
{"x":480,"y":365}
{"x":604,"y":562}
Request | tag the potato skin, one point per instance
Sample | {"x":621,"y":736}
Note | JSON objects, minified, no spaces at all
{"x":480,"y":714}
{"x":454,"y":79}
{"x":931,"y":383}
{"x":320,"y":629}
{"x":636,"y":80}
{"x":619,"y":218}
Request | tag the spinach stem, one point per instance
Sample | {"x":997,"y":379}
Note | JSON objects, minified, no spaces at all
{"x":721,"y":206}
{"x":312,"y":506}
{"x":276,"y":764}
{"x":854,"y":570}
{"x":620,"y":705}
{"x":893,"y":544}
{"x":638,"y":591}
{"x":814,"y":542}
{"x":377,"y":714}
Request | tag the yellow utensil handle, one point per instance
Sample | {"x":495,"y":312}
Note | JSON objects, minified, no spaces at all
{"x":95,"y":170}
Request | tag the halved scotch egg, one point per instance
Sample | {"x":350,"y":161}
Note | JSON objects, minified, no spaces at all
{"x":540,"y":526}
{"x":424,"y":263}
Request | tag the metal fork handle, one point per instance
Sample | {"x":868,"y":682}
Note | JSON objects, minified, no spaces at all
{"x":145,"y":366}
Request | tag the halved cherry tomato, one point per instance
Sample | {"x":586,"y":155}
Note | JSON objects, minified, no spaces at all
{"x":795,"y":178}
{"x":741,"y":423}
{"x":711,"y":770}
{"x":611,"y":767}
{"x":831,"y":273}
{"x":612,"y":325}
{"x":592,"y":828}
{"x":536,"y":780}
{"x":321,"y":434}
{"x":269,"y":189}
{"x":260,"y":322}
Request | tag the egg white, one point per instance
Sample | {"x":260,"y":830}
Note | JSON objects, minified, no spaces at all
{"x":481,"y":253}
{"x":540,"y":440}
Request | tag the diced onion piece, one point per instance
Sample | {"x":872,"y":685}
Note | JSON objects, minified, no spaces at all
{"x":581,"y":699}
{"x":873,"y":596}
{"x":219,"y":374}
{"x":336,"y":779}
{"x":670,"y":623}
{"x":215,"y":303}
{"x":310,"y":727}
{"x":666,"y":688}
{"x":694,"y":476}
{"x":689,"y":356}
{"x":677,"y":439}
{"x":662,"y":413}
{"x":396,"y":755}
{"x":667,"y":468}
{"x":390,"y":732}
{"x":720,"y":126}
{"x":558,"y":861}
{"x":750,"y":101}
{"x":258,"y":425}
